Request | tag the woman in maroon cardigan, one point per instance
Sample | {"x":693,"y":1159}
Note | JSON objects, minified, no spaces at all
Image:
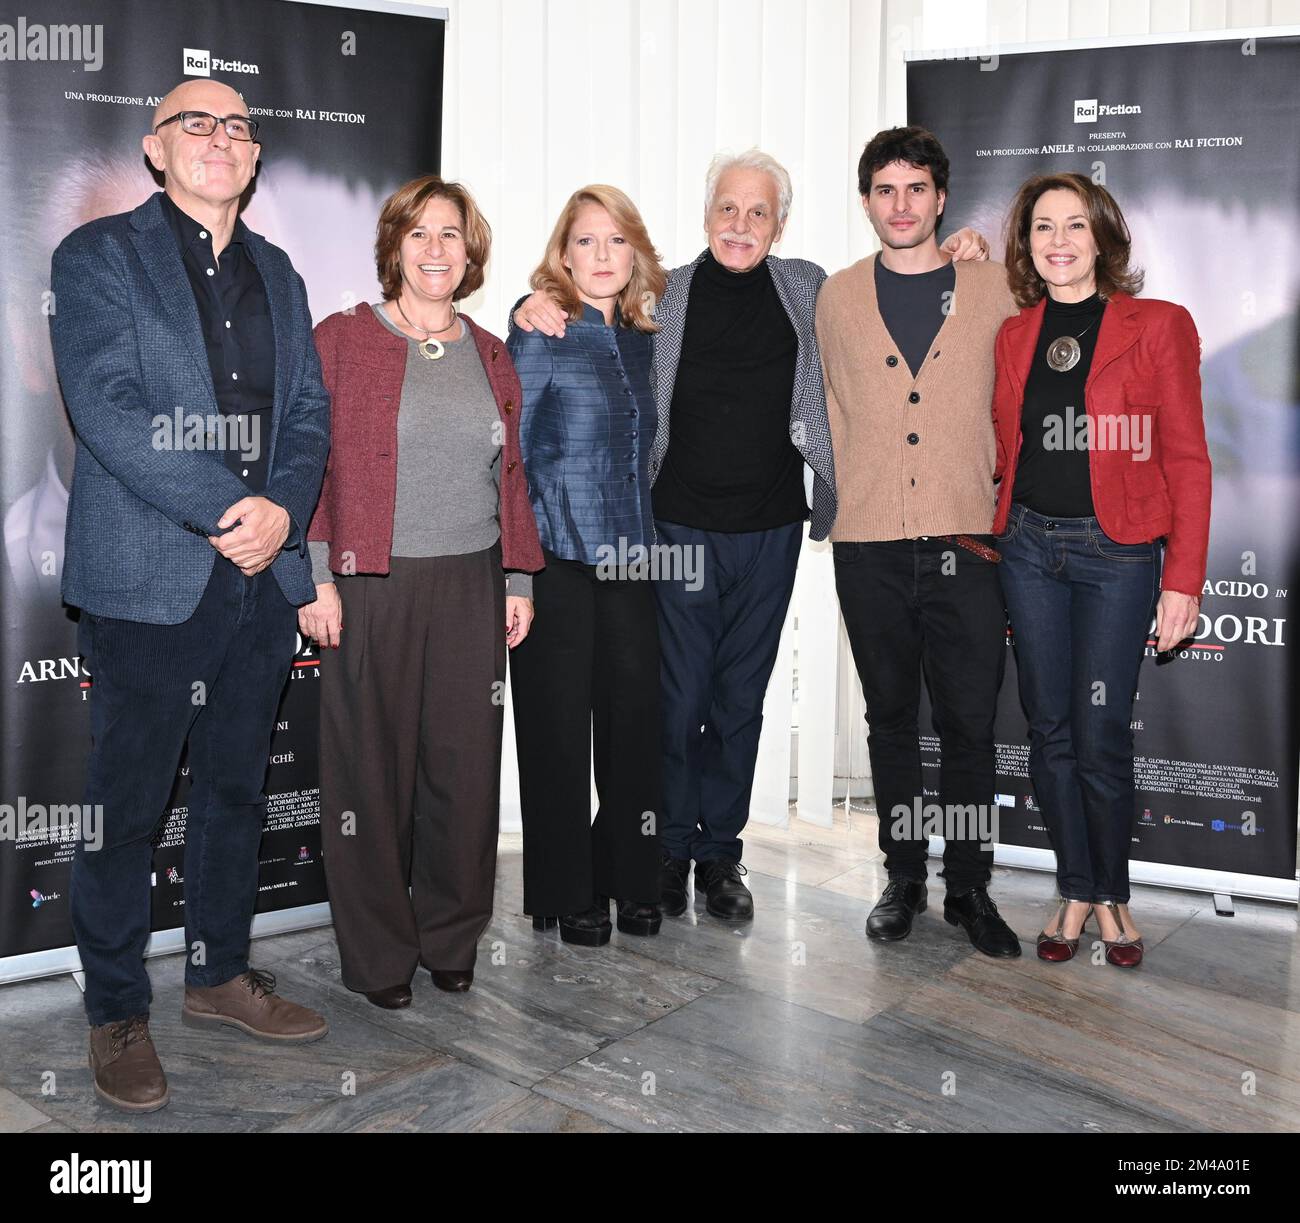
{"x":1101,"y":456}
{"x":422,"y":549}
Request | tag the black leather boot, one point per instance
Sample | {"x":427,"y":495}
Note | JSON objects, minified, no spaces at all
{"x":672,"y":884}
{"x":898,"y":905}
{"x":726,"y":897}
{"x":976,"y":911}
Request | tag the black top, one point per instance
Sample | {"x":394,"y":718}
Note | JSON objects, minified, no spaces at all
{"x":1052,"y":475}
{"x":913,"y":308}
{"x":236,"y":324}
{"x":730,"y":464}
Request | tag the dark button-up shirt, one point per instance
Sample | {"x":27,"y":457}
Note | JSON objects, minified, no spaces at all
{"x":236,"y":324}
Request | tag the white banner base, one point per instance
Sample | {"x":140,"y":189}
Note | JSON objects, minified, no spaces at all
{"x":161,"y":942}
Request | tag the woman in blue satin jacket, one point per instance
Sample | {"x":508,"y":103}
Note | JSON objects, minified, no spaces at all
{"x":587,"y":677}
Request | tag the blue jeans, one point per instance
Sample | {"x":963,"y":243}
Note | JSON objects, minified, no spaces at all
{"x":145,"y":703}
{"x":1080,"y":606}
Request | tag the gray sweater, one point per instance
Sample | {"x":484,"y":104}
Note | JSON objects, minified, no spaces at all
{"x":448,"y":460}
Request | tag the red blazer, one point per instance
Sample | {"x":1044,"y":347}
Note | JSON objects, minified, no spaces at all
{"x":1146,"y":368}
{"x":363,"y":365}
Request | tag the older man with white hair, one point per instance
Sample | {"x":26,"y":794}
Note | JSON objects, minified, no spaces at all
{"x":742,"y":409}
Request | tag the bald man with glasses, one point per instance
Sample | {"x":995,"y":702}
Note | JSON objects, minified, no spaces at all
{"x":183,"y":345}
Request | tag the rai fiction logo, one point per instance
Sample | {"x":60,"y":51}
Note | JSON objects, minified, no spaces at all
{"x":196,"y":62}
{"x":1089,"y":110}
{"x":73,"y":667}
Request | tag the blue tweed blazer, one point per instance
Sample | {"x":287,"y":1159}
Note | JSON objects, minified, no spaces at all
{"x":128,"y":348}
{"x":585,"y":430}
{"x":797,"y":284}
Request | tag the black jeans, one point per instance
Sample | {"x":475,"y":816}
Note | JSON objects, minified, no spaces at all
{"x":215,"y":679}
{"x":909,"y":605}
{"x":588,"y":674}
{"x":1080,"y":605}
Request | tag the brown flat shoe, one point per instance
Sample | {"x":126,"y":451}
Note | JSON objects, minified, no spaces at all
{"x":453,"y":980}
{"x":394,"y":998}
{"x":125,"y":1065}
{"x":250,"y":1004}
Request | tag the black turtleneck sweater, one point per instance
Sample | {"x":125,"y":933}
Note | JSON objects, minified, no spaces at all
{"x":1052,"y":475}
{"x":730,"y":464}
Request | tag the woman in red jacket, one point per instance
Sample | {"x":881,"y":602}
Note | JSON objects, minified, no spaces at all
{"x":424,"y":509}
{"x":1101,"y":456}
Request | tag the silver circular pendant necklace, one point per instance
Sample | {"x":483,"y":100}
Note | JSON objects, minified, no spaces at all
{"x":429,"y":348}
{"x":1064,"y":352}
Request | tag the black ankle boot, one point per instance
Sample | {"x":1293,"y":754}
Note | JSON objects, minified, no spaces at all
{"x":726,"y":897}
{"x":672,"y":884}
{"x":898,"y":905}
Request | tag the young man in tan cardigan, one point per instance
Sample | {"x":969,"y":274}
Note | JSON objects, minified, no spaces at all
{"x":906,"y":341}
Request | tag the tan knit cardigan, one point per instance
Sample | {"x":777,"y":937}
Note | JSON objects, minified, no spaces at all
{"x":941,"y":484}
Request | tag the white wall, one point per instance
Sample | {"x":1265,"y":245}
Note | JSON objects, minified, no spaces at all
{"x":542,"y":96}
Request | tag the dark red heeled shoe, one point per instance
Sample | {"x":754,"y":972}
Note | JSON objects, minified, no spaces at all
{"x":1122,"y":952}
{"x":1056,"y":948}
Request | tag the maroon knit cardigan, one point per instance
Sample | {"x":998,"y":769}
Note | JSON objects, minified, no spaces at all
{"x":363,"y":364}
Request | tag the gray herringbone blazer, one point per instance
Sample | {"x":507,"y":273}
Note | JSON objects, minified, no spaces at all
{"x":129,"y":348}
{"x":797,"y":284}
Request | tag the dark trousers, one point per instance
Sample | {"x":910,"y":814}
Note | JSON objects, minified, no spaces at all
{"x":215,"y":679}
{"x":411,"y":716}
{"x":913,"y":605}
{"x":718,"y":645}
{"x":587,"y":677}
{"x":1080,"y":607}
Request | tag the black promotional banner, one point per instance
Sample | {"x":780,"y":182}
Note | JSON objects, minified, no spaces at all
{"x":1197,"y":142}
{"x":350,"y":106}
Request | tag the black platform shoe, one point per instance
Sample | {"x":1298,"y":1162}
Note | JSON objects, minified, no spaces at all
{"x":590,"y":928}
{"x":637,"y":918}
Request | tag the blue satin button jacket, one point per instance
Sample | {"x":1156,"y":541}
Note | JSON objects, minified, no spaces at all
{"x":587,"y":424}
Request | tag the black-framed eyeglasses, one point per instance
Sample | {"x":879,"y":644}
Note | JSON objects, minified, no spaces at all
{"x":200,"y":123}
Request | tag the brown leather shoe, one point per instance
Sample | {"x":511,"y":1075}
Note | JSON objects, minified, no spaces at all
{"x":391,"y":999}
{"x":453,"y":980}
{"x":249,"y":1002}
{"x":128,"y":1074}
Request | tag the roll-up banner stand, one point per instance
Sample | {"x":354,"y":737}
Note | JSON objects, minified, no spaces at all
{"x":349,"y":100}
{"x":1196,"y":139}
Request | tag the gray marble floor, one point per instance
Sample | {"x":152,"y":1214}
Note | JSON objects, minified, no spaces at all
{"x":793,"y":1023}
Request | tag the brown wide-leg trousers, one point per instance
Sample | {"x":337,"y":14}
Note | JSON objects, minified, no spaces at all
{"x":411,"y":718}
